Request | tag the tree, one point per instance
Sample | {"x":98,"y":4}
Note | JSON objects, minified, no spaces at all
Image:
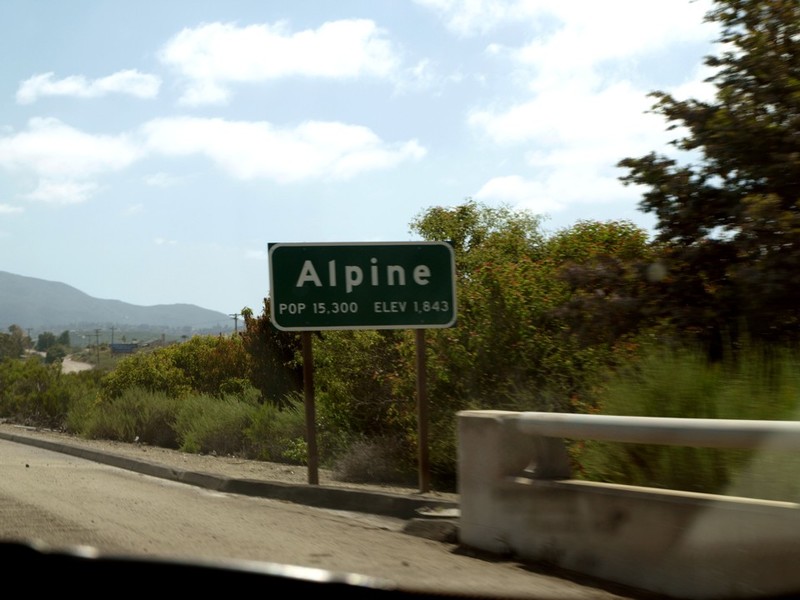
{"x":612,"y":275}
{"x":480,"y":233}
{"x":12,"y":344}
{"x":45,"y":340}
{"x":213,"y":365}
{"x":537,"y":315}
{"x":55,"y":353}
{"x":275,"y":371}
{"x":206,"y":364}
{"x":151,"y":371}
{"x":356,"y":373}
{"x":35,"y":393}
{"x":504,"y":288}
{"x":730,"y":221}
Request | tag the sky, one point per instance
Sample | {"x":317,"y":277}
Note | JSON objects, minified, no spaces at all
{"x":151,"y":150}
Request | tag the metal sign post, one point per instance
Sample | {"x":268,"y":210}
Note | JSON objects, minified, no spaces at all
{"x":422,"y":414}
{"x":311,"y":420}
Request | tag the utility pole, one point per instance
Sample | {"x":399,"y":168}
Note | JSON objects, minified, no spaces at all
{"x":235,"y":317}
{"x":97,"y":344}
{"x":112,"y":335}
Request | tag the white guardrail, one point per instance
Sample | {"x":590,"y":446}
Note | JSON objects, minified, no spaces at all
{"x":518,"y":498}
{"x":708,"y":433}
{"x":551,"y":429}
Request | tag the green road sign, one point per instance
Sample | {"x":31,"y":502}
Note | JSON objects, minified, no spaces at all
{"x":404,"y":285}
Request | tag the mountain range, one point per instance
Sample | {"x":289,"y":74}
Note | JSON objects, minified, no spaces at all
{"x":41,"y":305}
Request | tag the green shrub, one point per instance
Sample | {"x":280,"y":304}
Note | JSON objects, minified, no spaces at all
{"x":377,"y":460}
{"x":137,"y":415}
{"x":211,"y":425}
{"x":215,"y":365}
{"x":81,"y":414}
{"x":84,"y":392}
{"x":758,"y":384}
{"x":35,"y":393}
{"x":278,"y":433}
{"x":55,"y":354}
{"x":153,"y":371}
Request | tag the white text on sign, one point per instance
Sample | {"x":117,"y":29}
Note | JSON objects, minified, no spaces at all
{"x":353,"y":275}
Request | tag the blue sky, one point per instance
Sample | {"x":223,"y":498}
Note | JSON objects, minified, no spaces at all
{"x":151,"y":150}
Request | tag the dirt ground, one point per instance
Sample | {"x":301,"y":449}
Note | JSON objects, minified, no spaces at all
{"x":228,"y":466}
{"x":72,"y":366}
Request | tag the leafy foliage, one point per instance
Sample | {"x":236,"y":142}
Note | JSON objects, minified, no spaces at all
{"x":152,"y":371}
{"x":525,"y":339}
{"x":36,"y":393}
{"x":278,"y":434}
{"x":760,"y":383}
{"x":55,"y":354}
{"x":356,"y":373}
{"x":213,"y":365}
{"x":525,"y":299}
{"x":13,"y":343}
{"x":208,"y":424}
{"x":137,"y":415}
{"x":274,"y":368}
{"x":730,"y":221}
{"x":376,"y":460}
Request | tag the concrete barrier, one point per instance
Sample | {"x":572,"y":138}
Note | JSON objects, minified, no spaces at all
{"x":517,"y":498}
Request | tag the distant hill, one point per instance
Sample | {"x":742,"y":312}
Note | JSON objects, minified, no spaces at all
{"x":43,"y":305}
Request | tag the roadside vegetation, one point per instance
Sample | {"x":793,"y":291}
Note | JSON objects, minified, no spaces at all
{"x":701,"y":320}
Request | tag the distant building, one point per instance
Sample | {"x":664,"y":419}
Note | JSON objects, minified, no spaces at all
{"x":123,"y":348}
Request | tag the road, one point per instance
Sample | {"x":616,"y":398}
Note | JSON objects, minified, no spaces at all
{"x":68,"y":365}
{"x":73,"y":366}
{"x":62,"y":501}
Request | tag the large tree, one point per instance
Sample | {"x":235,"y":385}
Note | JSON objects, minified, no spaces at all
{"x":728,"y":211}
{"x":13,"y":343}
{"x":273,"y":357}
{"x":537,"y":314}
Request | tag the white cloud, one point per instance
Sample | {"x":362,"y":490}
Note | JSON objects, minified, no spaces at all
{"x":579,"y":138}
{"x":532,"y":195}
{"x":52,"y":149}
{"x":572,"y":114}
{"x":469,"y":17}
{"x":64,"y":159}
{"x":214,"y":56}
{"x":250,"y":150}
{"x":163,"y":180}
{"x":696,"y":87}
{"x":133,"y":209}
{"x":592,"y":33}
{"x":8,"y":209}
{"x":558,"y":189}
{"x":585,"y":105}
{"x":130,"y":82}
{"x":602,"y":21}
{"x":578,"y":71}
{"x":260,"y":255}
{"x":63,"y":192}
{"x":576,"y":66}
{"x":159,"y":241}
